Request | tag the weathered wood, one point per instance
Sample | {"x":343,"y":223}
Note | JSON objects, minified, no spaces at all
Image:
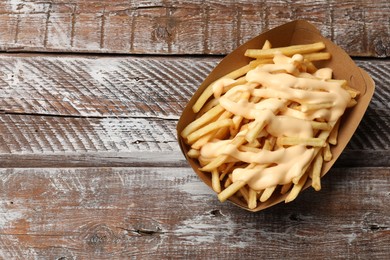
{"x":32,"y":141}
{"x":112,"y":111}
{"x":159,"y":213}
{"x":100,"y":87}
{"x":89,"y":163}
{"x":184,"y":27}
{"x":121,"y":86}
{"x":51,"y":141}
{"x":90,"y":86}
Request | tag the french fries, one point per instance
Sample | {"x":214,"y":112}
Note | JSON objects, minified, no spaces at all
{"x":264,"y":130}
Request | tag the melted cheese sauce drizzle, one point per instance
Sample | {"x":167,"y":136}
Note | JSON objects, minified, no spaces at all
{"x":278,"y":84}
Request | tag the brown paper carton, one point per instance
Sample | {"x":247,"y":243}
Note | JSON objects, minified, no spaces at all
{"x":296,"y":32}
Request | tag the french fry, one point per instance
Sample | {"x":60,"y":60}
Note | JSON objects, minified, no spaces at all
{"x":316,"y":56}
{"x":193,"y":153}
{"x":201,"y":121}
{"x":227,"y":183}
{"x":316,"y":172}
{"x":230,"y":190}
{"x":310,"y":67}
{"x":215,"y":183}
{"x":334,"y":133}
{"x":327,"y":153}
{"x":227,"y":169}
{"x":320,"y":125}
{"x":296,"y":189}
{"x":254,"y":63}
{"x":288,"y":51}
{"x":245,"y":194}
{"x":255,"y":130}
{"x":252,"y":198}
{"x":267,"y":193}
{"x":315,"y":142}
{"x":194,"y":136}
{"x":309,"y":107}
{"x":267,"y":45}
{"x":210,"y":104}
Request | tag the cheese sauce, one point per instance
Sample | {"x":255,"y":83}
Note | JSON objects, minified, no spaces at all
{"x":278,"y":85}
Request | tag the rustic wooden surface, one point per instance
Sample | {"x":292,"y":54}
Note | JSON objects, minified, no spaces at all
{"x":89,"y":163}
{"x":362,"y":27}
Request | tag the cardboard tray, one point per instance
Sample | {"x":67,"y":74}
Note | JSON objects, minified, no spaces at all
{"x":296,"y":32}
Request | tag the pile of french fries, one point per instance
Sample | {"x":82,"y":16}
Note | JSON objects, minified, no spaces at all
{"x":247,"y":133}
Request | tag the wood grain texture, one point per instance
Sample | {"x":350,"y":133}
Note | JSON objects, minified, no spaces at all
{"x":160,"y":213}
{"x":113,"y":111}
{"x":111,"y":108}
{"x":89,"y":163}
{"x":100,"y":87}
{"x":184,"y":27}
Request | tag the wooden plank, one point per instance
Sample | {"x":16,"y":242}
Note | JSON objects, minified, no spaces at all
{"x":113,"y":111}
{"x":100,"y":87}
{"x":42,"y":141}
{"x":159,"y":213}
{"x":49,"y":141}
{"x":30,"y":135}
{"x":184,"y":27}
{"x":122,"y":86}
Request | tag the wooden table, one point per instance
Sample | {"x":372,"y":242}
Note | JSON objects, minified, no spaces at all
{"x":90,"y":165}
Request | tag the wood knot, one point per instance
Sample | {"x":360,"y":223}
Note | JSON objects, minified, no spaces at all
{"x":99,"y":234}
{"x":162,"y":33}
{"x":295,"y":217}
{"x":216,"y":213}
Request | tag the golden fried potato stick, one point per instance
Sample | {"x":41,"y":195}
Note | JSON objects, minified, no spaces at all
{"x":227,"y":169}
{"x":288,"y":51}
{"x":267,"y":193}
{"x":252,"y":199}
{"x":320,"y":125}
{"x":201,"y":121}
{"x":309,"y":107}
{"x":296,"y":189}
{"x":209,"y":105}
{"x":254,"y":63}
{"x":311,"y":141}
{"x":194,"y":136}
{"x":227,"y":183}
{"x":334,"y":133}
{"x":327,"y":154}
{"x":244,"y":193}
{"x":316,"y":172}
{"x":230,"y":190}
{"x":215,"y":183}
{"x":310,"y":67}
{"x":267,"y":45}
{"x":256,"y":128}
{"x":316,"y":56}
{"x":193,"y":153}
